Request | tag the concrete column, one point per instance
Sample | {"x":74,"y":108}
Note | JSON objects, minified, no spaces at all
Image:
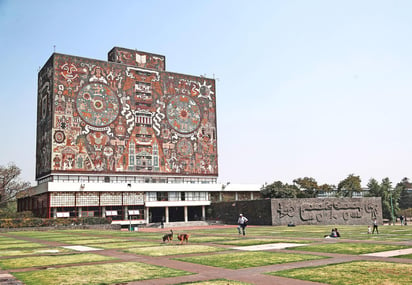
{"x":104,"y":212}
{"x":79,"y":209}
{"x":54,"y":212}
{"x":166,"y":214}
{"x":185,"y":211}
{"x":203,"y":213}
{"x":146,"y":215}
{"x":126,"y":213}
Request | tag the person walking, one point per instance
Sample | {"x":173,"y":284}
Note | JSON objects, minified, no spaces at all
{"x":242,"y":223}
{"x":375,"y":226}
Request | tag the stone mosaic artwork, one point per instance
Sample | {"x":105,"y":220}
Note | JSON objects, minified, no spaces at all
{"x":126,"y":116}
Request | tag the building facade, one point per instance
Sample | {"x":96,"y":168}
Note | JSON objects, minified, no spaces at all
{"x":125,"y":139}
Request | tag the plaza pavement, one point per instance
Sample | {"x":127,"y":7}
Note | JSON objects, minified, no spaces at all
{"x":253,"y":275}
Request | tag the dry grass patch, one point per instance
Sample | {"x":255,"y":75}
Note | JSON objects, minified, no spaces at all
{"x":126,"y":244}
{"x":98,"y":274}
{"x":173,"y":249}
{"x":238,"y":260}
{"x":246,"y":242}
{"x":19,"y":245}
{"x":50,"y":260}
{"x":353,"y":273}
{"x":349,"y":248}
{"x":17,"y":252}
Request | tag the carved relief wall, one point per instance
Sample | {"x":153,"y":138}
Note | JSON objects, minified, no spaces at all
{"x":97,"y":116}
{"x":281,"y":212}
{"x":339,"y":211}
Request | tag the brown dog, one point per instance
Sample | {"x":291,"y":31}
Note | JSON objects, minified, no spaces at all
{"x":183,"y":237}
{"x":168,"y":237}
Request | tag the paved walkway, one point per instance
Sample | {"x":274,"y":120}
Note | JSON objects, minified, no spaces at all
{"x":254,"y":275}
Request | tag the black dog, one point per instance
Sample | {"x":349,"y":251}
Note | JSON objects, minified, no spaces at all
{"x":168,"y":237}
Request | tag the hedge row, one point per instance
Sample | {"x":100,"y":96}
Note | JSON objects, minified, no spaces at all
{"x":39,"y":222}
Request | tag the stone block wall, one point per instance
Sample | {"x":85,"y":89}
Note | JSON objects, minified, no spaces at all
{"x":257,"y":211}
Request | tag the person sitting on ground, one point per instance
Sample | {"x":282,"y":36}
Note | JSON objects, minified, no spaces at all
{"x":337,"y":232}
{"x":332,"y":234}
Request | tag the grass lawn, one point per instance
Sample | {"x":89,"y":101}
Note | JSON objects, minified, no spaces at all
{"x":50,"y":260}
{"x":238,"y":260}
{"x":20,"y":245}
{"x":17,"y":252}
{"x":257,"y":241}
{"x":98,"y":274}
{"x":359,"y":272}
{"x":127,"y":244}
{"x":349,"y":248}
{"x":168,"y":249}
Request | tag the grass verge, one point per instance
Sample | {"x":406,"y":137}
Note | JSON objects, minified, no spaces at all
{"x":50,"y":260}
{"x":353,"y":273}
{"x":238,"y":260}
{"x":173,"y":249}
{"x":98,"y":274}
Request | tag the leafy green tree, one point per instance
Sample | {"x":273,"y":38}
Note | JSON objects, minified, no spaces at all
{"x":405,"y":194}
{"x":389,"y":196}
{"x":349,"y":185}
{"x":10,"y":183}
{"x":308,"y":187}
{"x":326,"y":188}
{"x":279,"y":190}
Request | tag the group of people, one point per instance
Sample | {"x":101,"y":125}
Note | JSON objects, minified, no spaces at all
{"x":242,"y":223}
{"x":334,"y":234}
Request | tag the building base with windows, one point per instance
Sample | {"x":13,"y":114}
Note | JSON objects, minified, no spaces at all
{"x":127,"y":202}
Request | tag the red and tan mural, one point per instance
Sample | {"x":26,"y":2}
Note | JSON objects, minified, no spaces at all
{"x":124,"y":117}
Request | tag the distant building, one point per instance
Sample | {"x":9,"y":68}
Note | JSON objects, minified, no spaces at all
{"x":125,"y":139}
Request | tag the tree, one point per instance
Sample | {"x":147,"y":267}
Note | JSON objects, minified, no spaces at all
{"x":349,"y":185}
{"x":308,"y":186}
{"x":10,"y":183}
{"x":405,"y":194}
{"x":279,"y":190}
{"x":326,"y":188}
{"x":389,"y":196}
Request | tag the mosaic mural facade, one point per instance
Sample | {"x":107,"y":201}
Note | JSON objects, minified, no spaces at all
{"x":126,"y":115}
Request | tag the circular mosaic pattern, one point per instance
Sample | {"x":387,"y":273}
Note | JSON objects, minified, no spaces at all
{"x":97,"y":104}
{"x":183,"y":114}
{"x":59,"y":137}
{"x":184,"y":147}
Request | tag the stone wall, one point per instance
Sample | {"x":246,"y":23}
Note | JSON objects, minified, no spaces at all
{"x":257,"y":211}
{"x":314,"y":211}
{"x":328,"y":211}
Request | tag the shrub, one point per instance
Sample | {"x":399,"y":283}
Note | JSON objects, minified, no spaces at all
{"x":39,"y":222}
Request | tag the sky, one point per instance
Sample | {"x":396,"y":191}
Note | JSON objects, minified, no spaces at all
{"x":319,"y":89}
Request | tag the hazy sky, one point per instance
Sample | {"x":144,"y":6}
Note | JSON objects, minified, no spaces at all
{"x":305,"y":88}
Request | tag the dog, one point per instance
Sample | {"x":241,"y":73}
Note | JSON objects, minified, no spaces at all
{"x":183,"y":238}
{"x":168,"y":237}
